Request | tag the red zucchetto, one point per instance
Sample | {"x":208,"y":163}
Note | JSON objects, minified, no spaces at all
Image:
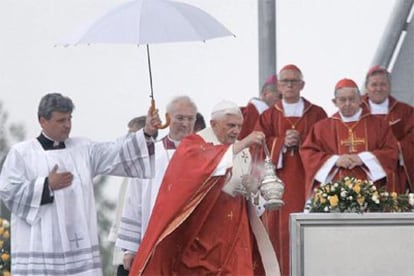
{"x":345,"y":83}
{"x":377,"y":69}
{"x":291,"y":67}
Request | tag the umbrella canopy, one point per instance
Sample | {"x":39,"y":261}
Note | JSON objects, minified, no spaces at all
{"x":149,"y":22}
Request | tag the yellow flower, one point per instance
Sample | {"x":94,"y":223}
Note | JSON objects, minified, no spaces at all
{"x":1,"y":230}
{"x":333,"y":200}
{"x":394,"y":196}
{"x":5,"y":257}
{"x":6,"y":273}
{"x":323,"y":200}
{"x":1,"y":243}
{"x":6,"y":234}
{"x":361,"y":200}
{"x":357,"y":188}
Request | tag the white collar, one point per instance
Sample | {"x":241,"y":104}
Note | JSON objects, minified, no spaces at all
{"x":293,"y":109}
{"x":381,"y":108}
{"x":352,"y":118}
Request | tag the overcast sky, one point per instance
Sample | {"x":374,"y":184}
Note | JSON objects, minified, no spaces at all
{"x":327,"y":39}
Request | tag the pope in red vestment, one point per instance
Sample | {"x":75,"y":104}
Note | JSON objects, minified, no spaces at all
{"x":285,"y":125}
{"x":400,"y":116}
{"x":352,"y":142}
{"x":196,"y":228}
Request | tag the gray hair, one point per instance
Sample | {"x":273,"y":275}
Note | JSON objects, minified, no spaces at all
{"x":137,"y":122}
{"x":180,"y":99}
{"x":378,"y":72}
{"x":54,"y":102}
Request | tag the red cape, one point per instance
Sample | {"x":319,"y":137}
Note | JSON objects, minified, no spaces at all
{"x":250,"y":116}
{"x":185,"y":232}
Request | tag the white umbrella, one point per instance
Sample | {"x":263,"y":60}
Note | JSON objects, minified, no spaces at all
{"x":147,"y":22}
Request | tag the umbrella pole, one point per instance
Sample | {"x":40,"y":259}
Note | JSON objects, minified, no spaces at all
{"x":153,"y":108}
{"x":150,"y":73}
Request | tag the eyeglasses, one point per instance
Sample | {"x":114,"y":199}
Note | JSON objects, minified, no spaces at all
{"x":343,"y":100}
{"x":290,"y":81}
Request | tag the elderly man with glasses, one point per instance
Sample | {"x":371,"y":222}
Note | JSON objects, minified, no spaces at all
{"x":285,"y":127}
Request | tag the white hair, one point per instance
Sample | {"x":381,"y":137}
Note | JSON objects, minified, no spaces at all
{"x":171,"y":106}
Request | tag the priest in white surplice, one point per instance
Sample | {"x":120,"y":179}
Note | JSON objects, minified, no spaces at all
{"x":47,"y":184}
{"x":141,"y":193}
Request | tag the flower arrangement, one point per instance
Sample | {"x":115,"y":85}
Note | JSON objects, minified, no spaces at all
{"x":4,"y":247}
{"x":352,"y":195}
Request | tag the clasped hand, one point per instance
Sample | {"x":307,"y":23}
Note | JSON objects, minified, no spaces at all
{"x":348,"y":161}
{"x":292,"y":138}
{"x":59,"y":180}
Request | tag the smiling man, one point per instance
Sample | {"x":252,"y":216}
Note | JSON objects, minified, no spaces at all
{"x":352,"y":142}
{"x":47,"y":184}
{"x":399,"y":115}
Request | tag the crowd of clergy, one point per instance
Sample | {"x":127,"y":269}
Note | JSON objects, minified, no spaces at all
{"x":192,"y":203}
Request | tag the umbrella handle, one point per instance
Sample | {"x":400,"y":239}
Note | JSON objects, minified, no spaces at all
{"x":167,"y":116}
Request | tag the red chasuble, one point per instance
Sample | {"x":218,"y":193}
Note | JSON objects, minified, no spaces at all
{"x":334,"y":137}
{"x":195,"y":228}
{"x":401,"y":119}
{"x":274,"y":125}
{"x":250,"y":116}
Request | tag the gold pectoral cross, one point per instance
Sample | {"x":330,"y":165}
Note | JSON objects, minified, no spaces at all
{"x":352,"y":141}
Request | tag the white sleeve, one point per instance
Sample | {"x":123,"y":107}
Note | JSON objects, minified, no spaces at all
{"x":22,"y":196}
{"x":126,"y":156}
{"x":375,"y":171}
{"x":129,"y":232}
{"x":225,"y":163}
{"x":322,"y":175}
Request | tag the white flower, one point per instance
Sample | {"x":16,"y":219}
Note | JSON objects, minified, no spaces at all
{"x":343,"y":193}
{"x":375,"y":198}
{"x":6,"y":224}
{"x":411,"y":199}
{"x":326,"y":209}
